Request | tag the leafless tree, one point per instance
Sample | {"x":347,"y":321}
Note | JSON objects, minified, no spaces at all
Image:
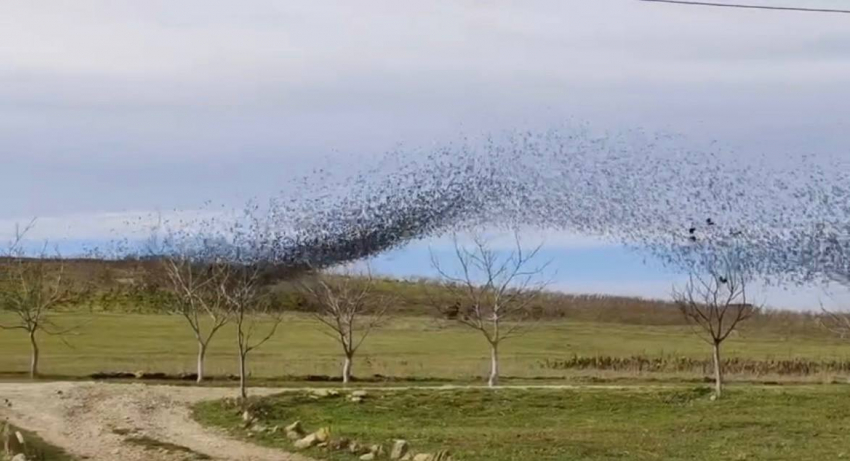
{"x":836,"y":321}
{"x":348,"y":305}
{"x":32,"y":290}
{"x":714,"y":300}
{"x":198,"y":298}
{"x":497,"y":289}
{"x":830,"y":246}
{"x":254,"y":314}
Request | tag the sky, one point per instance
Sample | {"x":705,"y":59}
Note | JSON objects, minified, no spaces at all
{"x":115,"y":110}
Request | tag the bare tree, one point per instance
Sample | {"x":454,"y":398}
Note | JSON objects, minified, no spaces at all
{"x":497,"y":289}
{"x":348,"y":305}
{"x":255,"y":316}
{"x":836,"y":321}
{"x":714,"y":300}
{"x":198,"y":298}
{"x":829,"y":248}
{"x":32,"y":290}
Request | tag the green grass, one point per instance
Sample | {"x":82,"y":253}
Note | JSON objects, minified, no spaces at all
{"x":40,"y":450}
{"x":749,"y":423}
{"x":406,"y":347}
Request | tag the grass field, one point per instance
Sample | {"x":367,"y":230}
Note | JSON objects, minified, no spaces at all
{"x":750,"y":423}
{"x":406,"y":347}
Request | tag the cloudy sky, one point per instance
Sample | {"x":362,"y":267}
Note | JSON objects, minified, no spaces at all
{"x":110,"y":109}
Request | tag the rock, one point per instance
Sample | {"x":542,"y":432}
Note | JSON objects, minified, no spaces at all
{"x":378,"y":450}
{"x":339,"y":444}
{"x":275,"y":429}
{"x":354,"y":447}
{"x":19,"y":457}
{"x":306,"y":442}
{"x":294,"y":431}
{"x":400,"y":448}
{"x":13,"y":442}
{"x":258,"y":428}
{"x":407,"y":457}
{"x":324,"y":393}
{"x":360,"y":394}
{"x":247,"y":416}
{"x":443,"y":455}
{"x":367,"y":457}
{"x":323,"y":434}
{"x":356,"y":399}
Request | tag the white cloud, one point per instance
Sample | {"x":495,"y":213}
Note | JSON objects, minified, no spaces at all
{"x":125,"y":104}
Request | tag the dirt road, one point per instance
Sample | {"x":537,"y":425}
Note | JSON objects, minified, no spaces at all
{"x":94,"y":420}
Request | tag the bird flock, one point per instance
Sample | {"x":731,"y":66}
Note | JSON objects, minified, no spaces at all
{"x":790,"y":215}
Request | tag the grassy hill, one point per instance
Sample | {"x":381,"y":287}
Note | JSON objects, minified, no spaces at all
{"x":121,"y":326}
{"x":139,"y":286}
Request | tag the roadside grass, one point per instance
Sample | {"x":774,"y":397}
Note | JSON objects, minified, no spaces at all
{"x":39,"y":450}
{"x":407,"y":347}
{"x":749,"y":423}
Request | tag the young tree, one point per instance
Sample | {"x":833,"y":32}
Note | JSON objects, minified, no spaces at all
{"x":497,"y":289}
{"x":714,"y":300}
{"x":833,"y":262}
{"x":32,"y":289}
{"x":254,"y":314}
{"x":347,"y":304}
{"x":197,"y":297}
{"x":828,"y":251}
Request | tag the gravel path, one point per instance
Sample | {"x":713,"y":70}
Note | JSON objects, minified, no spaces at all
{"x":93,"y":420}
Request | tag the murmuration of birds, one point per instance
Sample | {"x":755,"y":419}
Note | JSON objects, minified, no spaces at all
{"x":789,"y":216}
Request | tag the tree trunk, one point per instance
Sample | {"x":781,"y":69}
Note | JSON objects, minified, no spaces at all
{"x":346,"y":370}
{"x":34,"y":361}
{"x":718,"y":372}
{"x":202,"y":352}
{"x":243,"y":392}
{"x":494,"y":366}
